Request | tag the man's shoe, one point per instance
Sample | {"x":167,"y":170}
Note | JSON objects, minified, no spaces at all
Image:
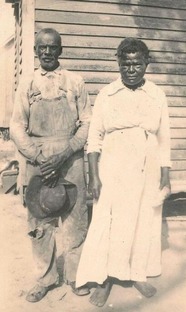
{"x":37,"y":293}
{"x":79,"y":291}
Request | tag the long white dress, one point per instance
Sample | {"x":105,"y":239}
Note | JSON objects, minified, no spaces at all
{"x":131,"y":131}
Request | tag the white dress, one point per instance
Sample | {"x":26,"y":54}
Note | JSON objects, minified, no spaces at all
{"x":131,"y":131}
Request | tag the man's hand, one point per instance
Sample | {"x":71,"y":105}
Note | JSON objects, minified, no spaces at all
{"x":94,"y":187}
{"x":54,"y":163}
{"x":51,"y":179}
{"x":40,"y":159}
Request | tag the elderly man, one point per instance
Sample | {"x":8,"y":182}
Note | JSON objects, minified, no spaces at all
{"x":130,"y":130}
{"x":49,"y":127}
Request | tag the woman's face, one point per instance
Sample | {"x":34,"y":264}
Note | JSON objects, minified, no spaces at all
{"x":132,"y":68}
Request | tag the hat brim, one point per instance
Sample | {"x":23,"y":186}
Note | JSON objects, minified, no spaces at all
{"x":32,"y":198}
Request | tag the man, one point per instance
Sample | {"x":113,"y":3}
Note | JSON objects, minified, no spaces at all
{"x":49,"y":127}
{"x":130,"y":131}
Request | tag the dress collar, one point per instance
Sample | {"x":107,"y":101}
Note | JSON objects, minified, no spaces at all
{"x":118,"y":85}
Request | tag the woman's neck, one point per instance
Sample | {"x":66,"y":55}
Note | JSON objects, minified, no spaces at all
{"x":134,"y":87}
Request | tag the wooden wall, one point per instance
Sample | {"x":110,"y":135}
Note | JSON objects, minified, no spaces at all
{"x":91,"y":31}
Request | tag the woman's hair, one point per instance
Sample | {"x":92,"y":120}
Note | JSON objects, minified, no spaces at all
{"x":132,"y":45}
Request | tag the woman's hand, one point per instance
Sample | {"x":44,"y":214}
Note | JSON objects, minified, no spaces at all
{"x":94,"y":187}
{"x":165,"y":180}
{"x":95,"y":184}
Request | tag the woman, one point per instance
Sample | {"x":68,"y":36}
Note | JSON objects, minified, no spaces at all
{"x":130,"y":130}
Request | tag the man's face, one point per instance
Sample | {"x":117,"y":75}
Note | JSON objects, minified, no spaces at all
{"x":48,"y":49}
{"x":132,"y":68}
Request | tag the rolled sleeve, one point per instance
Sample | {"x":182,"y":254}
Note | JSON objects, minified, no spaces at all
{"x":97,"y":130}
{"x":19,"y":124}
{"x":84,"y":113}
{"x":163,"y":136}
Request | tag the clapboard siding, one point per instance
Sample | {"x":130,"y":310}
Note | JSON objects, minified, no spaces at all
{"x":103,"y":21}
{"x":91,"y":31}
{"x":109,"y":54}
{"x":112,"y":43}
{"x":111,"y":66}
{"x":135,"y":8}
{"x":178,"y":155}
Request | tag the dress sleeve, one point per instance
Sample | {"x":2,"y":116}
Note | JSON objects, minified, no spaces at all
{"x":84,"y":113}
{"x":97,"y":130}
{"x":163,"y":135}
{"x":19,"y":124}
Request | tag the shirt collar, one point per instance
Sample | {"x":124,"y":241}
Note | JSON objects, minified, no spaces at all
{"x":118,"y":85}
{"x":57,"y":71}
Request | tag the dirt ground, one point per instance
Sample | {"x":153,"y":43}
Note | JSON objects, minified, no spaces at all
{"x":17,"y":272}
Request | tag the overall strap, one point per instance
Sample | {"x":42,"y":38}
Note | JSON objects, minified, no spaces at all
{"x":34,"y":94}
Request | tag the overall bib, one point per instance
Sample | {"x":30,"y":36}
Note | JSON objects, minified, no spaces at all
{"x":52,"y":122}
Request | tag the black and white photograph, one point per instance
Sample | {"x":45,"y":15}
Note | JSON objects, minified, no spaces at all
{"x":93,"y":155}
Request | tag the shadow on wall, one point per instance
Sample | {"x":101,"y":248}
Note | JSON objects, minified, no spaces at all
{"x":161,"y":28}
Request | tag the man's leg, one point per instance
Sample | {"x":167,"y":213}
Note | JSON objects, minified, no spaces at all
{"x":74,"y":231}
{"x":44,"y":252}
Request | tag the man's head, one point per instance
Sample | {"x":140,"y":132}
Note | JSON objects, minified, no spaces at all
{"x":133,"y":58}
{"x":48,"y":48}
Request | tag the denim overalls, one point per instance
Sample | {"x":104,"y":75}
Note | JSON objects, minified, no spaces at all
{"x":51,"y":125}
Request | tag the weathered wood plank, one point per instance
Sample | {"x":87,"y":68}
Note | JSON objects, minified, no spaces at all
{"x":112,"y":66}
{"x":112,"y":43}
{"x":178,"y":133}
{"x":177,"y":112}
{"x":176,"y":101}
{"x":177,"y":122}
{"x":121,"y":32}
{"x":107,"y":77}
{"x":174,"y":90}
{"x":178,"y":175}
{"x":81,"y":18}
{"x":89,"y":53}
{"x":178,"y":154}
{"x":178,"y":144}
{"x":164,"y":57}
{"x":158,"y":3}
{"x":105,"y":54}
{"x":178,"y":165}
{"x":111,"y":8}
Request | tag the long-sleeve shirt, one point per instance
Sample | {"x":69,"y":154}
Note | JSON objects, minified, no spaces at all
{"x":51,"y":85}
{"x":118,"y":107}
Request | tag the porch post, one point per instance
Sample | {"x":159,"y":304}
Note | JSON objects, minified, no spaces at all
{"x":28,"y":28}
